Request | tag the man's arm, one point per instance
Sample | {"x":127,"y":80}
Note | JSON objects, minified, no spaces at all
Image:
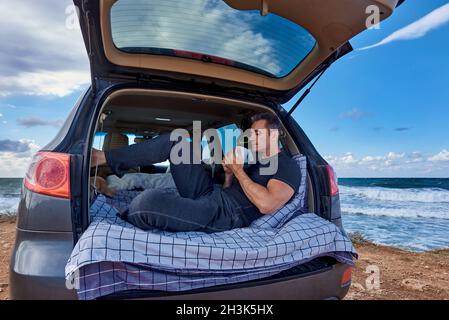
{"x":267,"y":199}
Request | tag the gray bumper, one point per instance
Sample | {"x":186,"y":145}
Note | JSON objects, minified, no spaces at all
{"x":37,"y":265}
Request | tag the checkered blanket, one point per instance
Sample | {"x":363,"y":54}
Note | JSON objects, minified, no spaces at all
{"x":113,"y":255}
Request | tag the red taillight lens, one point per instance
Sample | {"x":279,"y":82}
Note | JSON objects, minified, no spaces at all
{"x":333,"y":181}
{"x":49,"y":174}
{"x":346,"y":277}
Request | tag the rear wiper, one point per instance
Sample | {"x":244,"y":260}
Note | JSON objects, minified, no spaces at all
{"x":306,"y":93}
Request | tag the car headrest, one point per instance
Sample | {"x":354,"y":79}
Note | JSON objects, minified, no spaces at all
{"x":115,"y":141}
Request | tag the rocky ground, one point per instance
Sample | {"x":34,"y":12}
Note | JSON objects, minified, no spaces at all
{"x":401,"y":274}
{"x":380,"y":273}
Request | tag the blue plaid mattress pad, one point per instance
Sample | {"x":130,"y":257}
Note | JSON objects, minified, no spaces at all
{"x":113,"y":256}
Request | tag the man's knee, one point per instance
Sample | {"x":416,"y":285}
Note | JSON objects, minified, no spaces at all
{"x":139,"y":219}
{"x":142,"y":208}
{"x":145,"y":200}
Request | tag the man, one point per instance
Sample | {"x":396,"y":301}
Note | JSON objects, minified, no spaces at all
{"x":247,"y":193}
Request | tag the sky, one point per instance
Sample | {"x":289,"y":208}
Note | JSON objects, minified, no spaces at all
{"x":381,"y":111}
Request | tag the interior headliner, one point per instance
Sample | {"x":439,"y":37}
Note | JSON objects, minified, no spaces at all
{"x":142,"y":111}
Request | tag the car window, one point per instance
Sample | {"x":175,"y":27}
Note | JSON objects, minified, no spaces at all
{"x":229,"y":139}
{"x":212,"y":31}
{"x":133,"y":139}
{"x":100,"y":137}
{"x":99,"y":140}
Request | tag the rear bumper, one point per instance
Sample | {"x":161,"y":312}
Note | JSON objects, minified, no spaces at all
{"x":319,"y":285}
{"x":37,"y":265}
{"x":39,"y":258}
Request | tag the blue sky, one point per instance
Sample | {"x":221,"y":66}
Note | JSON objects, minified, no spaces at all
{"x":389,"y":99}
{"x":379,"y":112}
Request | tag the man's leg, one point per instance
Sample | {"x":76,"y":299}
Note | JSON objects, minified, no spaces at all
{"x":151,"y":151}
{"x":161,"y":209}
{"x":192,"y":181}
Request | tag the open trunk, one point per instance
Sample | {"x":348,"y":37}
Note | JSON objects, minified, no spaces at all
{"x":132,"y":115}
{"x":141,"y":114}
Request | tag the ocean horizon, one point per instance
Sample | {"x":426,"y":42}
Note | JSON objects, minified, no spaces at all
{"x":409,"y":213}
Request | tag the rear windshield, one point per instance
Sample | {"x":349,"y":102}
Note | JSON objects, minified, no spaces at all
{"x":212,"y":31}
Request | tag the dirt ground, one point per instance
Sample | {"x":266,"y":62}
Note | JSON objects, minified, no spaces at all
{"x":397,"y":274}
{"x":7,"y":234}
{"x":402,"y":275}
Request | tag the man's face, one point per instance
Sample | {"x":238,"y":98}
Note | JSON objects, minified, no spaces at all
{"x":261,"y":137}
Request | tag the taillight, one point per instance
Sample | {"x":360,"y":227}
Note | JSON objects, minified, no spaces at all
{"x":333,"y":181}
{"x":49,"y":174}
{"x":346,"y":277}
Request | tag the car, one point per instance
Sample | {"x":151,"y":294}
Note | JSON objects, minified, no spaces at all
{"x":158,"y":65}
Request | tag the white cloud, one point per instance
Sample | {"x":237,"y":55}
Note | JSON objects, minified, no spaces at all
{"x":417,"y":29}
{"x":43,"y":83}
{"x":35,"y":121}
{"x":41,"y":56}
{"x":9,"y":106}
{"x":348,"y":159}
{"x":442,"y":156}
{"x":395,"y":156}
{"x":354,"y":114}
{"x":392,"y":164}
{"x":14,"y":164}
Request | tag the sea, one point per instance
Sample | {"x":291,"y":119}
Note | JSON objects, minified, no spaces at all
{"x":409,"y":213}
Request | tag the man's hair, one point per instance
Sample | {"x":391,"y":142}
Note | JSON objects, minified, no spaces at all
{"x":272,"y":121}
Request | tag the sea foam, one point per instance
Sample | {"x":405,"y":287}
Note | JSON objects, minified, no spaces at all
{"x":430,"y":195}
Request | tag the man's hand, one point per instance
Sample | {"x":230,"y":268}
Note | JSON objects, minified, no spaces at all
{"x":98,"y":158}
{"x":267,"y":199}
{"x":226,"y":169}
{"x":228,"y":174}
{"x":233,"y":162}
